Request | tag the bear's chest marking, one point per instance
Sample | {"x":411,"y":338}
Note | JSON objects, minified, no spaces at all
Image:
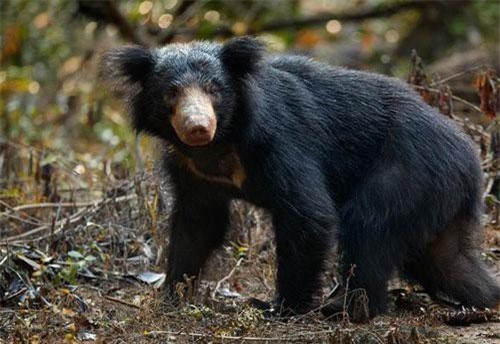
{"x":225,"y":167}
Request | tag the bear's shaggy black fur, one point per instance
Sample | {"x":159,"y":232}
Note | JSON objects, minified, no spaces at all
{"x":335,"y":155}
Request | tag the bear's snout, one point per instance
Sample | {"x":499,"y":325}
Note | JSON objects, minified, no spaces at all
{"x":199,"y":135}
{"x":194,"y":119}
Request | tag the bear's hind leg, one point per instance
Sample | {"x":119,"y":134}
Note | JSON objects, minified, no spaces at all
{"x":367,"y":264}
{"x":376,"y":227}
{"x":451,"y":266}
{"x":368,"y":260}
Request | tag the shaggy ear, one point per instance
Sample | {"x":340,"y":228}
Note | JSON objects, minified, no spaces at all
{"x":127,"y":66}
{"x":241,"y":56}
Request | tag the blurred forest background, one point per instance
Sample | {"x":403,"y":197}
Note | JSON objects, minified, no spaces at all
{"x":81,"y":238}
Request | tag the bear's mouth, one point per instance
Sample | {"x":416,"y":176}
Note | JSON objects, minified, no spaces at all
{"x":194,"y":119}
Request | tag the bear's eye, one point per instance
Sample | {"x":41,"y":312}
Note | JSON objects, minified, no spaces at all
{"x":212,"y":89}
{"x":171,"y":93}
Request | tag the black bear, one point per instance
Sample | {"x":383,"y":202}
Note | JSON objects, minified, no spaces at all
{"x":335,"y":155}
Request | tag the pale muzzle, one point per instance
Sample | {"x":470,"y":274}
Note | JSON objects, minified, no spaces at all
{"x":194,"y":118}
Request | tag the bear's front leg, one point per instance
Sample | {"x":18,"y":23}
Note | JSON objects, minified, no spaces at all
{"x":304,"y":222}
{"x":303,"y":245}
{"x":200,"y":220}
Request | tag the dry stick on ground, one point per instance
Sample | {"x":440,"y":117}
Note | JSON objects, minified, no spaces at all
{"x":225,"y":278}
{"x":4,"y":259}
{"x":285,"y":338}
{"x":125,"y":303}
{"x":72,"y":219}
{"x":345,"y":313}
{"x":88,"y":215}
{"x":489,"y":186}
{"x":20,"y":219}
{"x":35,"y":220}
{"x":52,"y":205}
{"x":63,"y":161}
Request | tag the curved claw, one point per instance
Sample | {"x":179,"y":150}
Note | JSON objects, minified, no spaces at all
{"x":271,"y":310}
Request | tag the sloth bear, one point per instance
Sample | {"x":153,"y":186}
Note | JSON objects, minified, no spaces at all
{"x":335,"y":155}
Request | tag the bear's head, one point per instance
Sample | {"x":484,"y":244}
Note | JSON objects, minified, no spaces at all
{"x":183,"y":93}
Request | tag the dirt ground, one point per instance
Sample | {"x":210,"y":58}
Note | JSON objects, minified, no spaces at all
{"x":91,"y":271}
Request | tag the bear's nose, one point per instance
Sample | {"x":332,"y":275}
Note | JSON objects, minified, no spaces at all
{"x":194,"y":119}
{"x":198,"y":135}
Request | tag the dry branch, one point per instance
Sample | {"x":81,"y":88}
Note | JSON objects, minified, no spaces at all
{"x":225,"y":278}
{"x":300,"y":337}
{"x":458,"y":99}
{"x":110,"y":14}
{"x":53,"y":205}
{"x":125,"y":303}
{"x":70,"y":220}
{"x":320,"y":19}
{"x":457,"y":75}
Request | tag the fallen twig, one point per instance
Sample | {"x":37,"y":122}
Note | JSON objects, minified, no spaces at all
{"x":72,"y":219}
{"x":125,"y":303}
{"x":489,"y":186}
{"x":285,"y":338}
{"x":225,"y":278}
{"x":54,"y":205}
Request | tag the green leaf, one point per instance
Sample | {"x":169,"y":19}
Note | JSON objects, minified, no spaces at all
{"x":75,"y":255}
